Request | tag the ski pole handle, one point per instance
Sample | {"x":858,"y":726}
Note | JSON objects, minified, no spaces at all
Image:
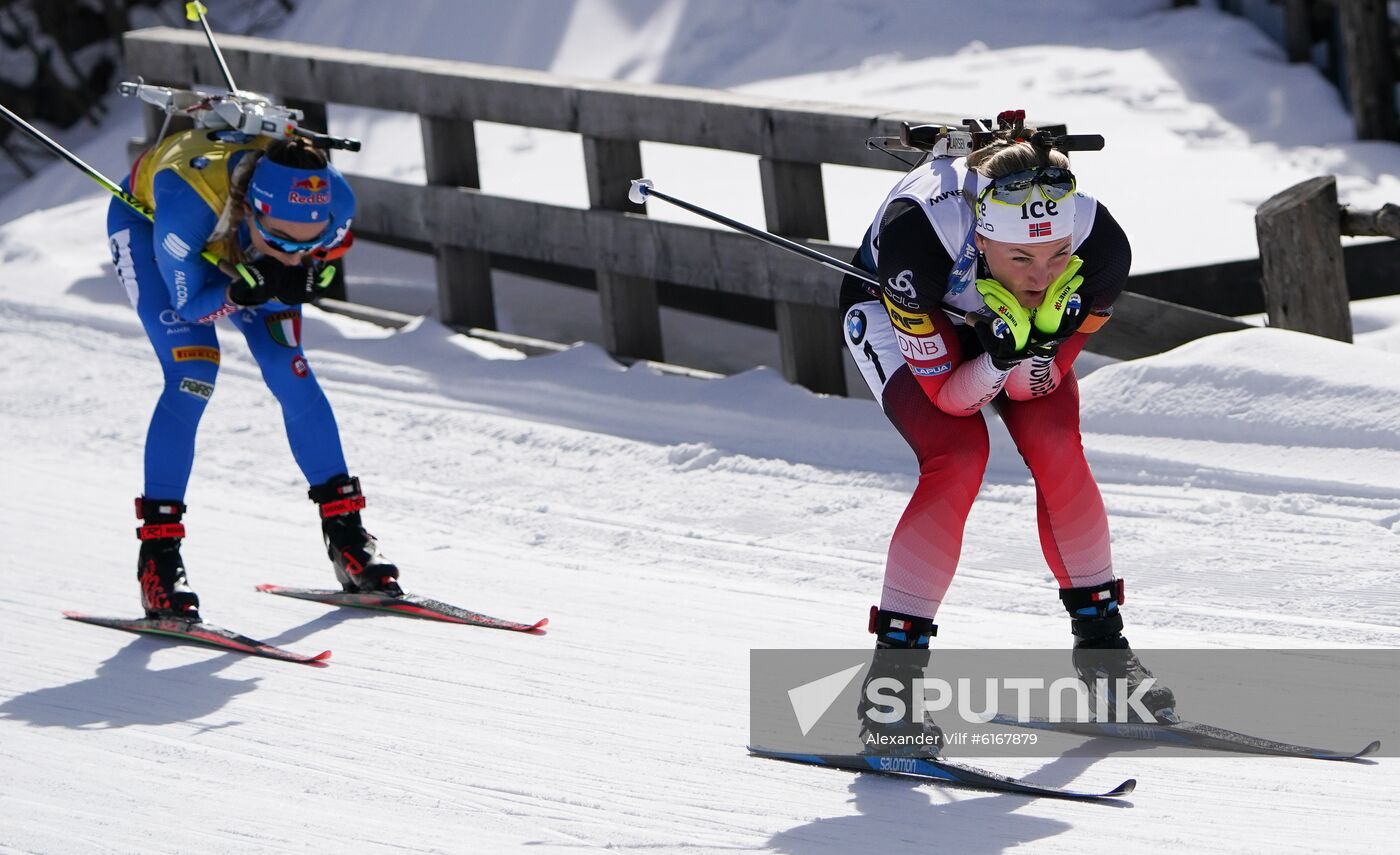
{"x":637,"y":195}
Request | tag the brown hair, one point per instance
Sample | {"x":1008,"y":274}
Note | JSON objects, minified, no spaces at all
{"x":1000,"y":158}
{"x":296,"y":152}
{"x":1003,"y":157}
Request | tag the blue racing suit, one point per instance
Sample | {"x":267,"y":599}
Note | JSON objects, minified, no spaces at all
{"x":179,"y":295}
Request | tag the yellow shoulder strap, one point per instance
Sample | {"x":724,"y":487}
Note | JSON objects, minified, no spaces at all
{"x":201,"y":162}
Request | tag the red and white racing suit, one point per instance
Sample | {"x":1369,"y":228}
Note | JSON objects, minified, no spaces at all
{"x":933,"y":381}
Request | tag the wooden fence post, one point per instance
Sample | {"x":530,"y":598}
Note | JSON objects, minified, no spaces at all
{"x":630,"y":310}
{"x":315,"y":117}
{"x":463,"y":275}
{"x":794,"y":206}
{"x":1370,"y":67}
{"x":1300,"y":250}
{"x":1297,"y":30}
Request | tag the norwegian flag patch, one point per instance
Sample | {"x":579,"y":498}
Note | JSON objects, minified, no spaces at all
{"x":1040,"y":229}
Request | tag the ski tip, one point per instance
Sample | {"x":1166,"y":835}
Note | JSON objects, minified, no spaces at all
{"x":72,"y":615}
{"x":268,"y":589}
{"x":1122,"y":789}
{"x":319,"y":659}
{"x":1370,"y":749}
{"x":544,"y":622}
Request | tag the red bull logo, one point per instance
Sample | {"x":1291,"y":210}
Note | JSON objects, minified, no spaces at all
{"x":312,"y":183}
{"x":311,"y":190}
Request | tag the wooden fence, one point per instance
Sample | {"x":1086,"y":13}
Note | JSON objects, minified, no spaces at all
{"x":627,"y":254}
{"x":1304,"y":276}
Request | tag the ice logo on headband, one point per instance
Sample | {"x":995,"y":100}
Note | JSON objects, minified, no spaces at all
{"x":1032,"y":221}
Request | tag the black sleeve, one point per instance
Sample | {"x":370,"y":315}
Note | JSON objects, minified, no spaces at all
{"x":914,"y":267}
{"x":1107,"y":257}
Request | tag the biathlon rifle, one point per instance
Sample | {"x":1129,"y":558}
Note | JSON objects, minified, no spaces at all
{"x":972,"y":134}
{"x":229,"y":108}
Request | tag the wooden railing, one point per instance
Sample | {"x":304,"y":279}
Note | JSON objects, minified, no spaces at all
{"x":628,"y":254}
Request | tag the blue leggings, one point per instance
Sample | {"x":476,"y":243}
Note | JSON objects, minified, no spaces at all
{"x":189,"y":358}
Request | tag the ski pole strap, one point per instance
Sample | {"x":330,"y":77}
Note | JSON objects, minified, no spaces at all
{"x":157,"y":531}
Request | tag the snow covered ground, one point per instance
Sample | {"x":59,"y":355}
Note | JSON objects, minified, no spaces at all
{"x":666,"y":526}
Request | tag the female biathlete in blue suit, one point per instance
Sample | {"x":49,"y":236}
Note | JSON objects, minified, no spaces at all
{"x":274,"y":211}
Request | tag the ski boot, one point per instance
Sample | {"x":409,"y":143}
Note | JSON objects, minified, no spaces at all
{"x":165,"y":592}
{"x":901,"y":652}
{"x":1101,"y":651}
{"x":355,"y":553}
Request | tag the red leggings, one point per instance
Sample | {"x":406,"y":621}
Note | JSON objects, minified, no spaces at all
{"x":952,"y":453}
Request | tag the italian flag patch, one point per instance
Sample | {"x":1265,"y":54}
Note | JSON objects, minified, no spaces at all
{"x":285,"y":328}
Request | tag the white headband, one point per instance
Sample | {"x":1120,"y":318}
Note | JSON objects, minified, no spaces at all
{"x":1039,"y":220}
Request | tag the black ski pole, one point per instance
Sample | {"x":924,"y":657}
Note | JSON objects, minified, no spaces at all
{"x":107,"y":184}
{"x":643,"y":188}
{"x":48,"y":143}
{"x":195,"y":12}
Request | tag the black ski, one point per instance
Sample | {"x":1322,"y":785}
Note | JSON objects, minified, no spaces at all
{"x":202,"y":633}
{"x":1189,"y":734}
{"x":407,"y":604}
{"x":943,"y":772}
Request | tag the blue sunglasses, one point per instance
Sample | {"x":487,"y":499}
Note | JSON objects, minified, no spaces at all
{"x":287,"y":245}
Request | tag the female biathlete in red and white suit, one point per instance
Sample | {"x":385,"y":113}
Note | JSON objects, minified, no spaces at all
{"x":1040,"y":266}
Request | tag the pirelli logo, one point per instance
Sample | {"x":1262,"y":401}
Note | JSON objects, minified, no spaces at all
{"x":196,"y":354}
{"x":913,"y":323}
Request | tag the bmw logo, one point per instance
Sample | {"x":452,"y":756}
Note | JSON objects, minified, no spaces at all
{"x":199,"y":162}
{"x":855,"y":326}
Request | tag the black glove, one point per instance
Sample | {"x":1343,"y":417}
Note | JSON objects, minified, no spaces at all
{"x":269,"y":279}
{"x":998,"y":341}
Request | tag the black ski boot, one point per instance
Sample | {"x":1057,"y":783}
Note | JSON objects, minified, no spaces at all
{"x":354,"y":551}
{"x":901,"y":652}
{"x":165,"y":592}
{"x":1101,"y":651}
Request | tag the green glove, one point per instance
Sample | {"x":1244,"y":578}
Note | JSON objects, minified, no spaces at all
{"x":1050,"y":313}
{"x":1005,"y":306}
